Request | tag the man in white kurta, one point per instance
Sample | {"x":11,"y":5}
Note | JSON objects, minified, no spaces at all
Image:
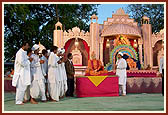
{"x":121,"y":66}
{"x":54,"y":75}
{"x":38,"y":83}
{"x":44,"y":68}
{"x":63,"y":76}
{"x":21,"y":78}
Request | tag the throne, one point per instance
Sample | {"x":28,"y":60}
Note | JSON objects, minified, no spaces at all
{"x":77,"y":57}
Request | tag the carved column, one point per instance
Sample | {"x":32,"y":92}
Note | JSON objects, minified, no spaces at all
{"x":101,"y":50}
{"x":140,"y":50}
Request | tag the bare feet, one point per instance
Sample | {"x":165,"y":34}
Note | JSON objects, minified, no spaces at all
{"x":25,"y":101}
{"x":33,"y":101}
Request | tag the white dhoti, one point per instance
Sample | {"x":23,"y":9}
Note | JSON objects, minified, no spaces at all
{"x":122,"y":74}
{"x":54,"y":90}
{"x":65,"y":86}
{"x":20,"y":91}
{"x":27,"y":93}
{"x":37,"y":87}
{"x":61,"y":88}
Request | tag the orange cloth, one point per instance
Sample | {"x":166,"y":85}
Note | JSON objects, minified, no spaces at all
{"x":131,"y":63}
{"x":95,"y":67}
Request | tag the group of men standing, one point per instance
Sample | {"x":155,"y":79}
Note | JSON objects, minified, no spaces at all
{"x":50,"y":77}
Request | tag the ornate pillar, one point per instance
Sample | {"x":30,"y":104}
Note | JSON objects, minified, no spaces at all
{"x":101,"y":50}
{"x":140,"y":50}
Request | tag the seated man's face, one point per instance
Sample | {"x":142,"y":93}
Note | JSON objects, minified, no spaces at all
{"x":119,"y":56}
{"x":93,"y":56}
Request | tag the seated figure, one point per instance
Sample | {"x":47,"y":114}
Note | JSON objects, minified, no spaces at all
{"x":131,"y":63}
{"x":95,"y":66}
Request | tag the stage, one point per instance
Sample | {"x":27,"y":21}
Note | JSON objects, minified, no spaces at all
{"x":138,"y":81}
{"x":97,"y":86}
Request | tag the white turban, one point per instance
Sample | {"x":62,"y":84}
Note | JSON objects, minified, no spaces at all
{"x":63,"y":50}
{"x":35,"y":47}
{"x":120,"y":53}
{"x":59,"y":50}
{"x":48,"y":52}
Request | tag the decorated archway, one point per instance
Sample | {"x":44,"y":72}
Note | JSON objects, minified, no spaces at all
{"x":80,"y":52}
{"x":157,"y":47}
{"x":125,"y":49}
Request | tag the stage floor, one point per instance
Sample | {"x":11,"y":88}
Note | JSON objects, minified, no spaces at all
{"x":131,"y":102}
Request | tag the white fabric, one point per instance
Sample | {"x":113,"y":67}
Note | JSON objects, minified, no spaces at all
{"x":44,"y":66}
{"x":38,"y":83}
{"x":161,"y":66}
{"x":48,"y":52}
{"x":38,"y":88}
{"x":59,"y":50}
{"x":120,"y":53}
{"x":54,"y":79}
{"x":20,"y":91}
{"x":36,"y":67}
{"x":121,"y":72}
{"x":21,"y":68}
{"x":61,"y":78}
{"x":53,"y":71}
{"x":35,"y":47}
{"x":61,"y":88}
{"x":65,"y":87}
{"x":27,"y":93}
{"x":53,"y":89}
{"x":63,"y":50}
{"x":21,"y":78}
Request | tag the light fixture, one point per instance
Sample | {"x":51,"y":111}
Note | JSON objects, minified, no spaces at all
{"x":108,"y":43}
{"x":135,"y":44}
{"x":76,"y":42}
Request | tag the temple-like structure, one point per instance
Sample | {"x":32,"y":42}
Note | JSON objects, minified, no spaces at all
{"x":117,"y":33}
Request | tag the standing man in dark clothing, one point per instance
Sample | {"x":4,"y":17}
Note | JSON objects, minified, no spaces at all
{"x":70,"y":71}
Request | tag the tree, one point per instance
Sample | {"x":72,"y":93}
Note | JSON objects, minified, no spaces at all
{"x":155,"y":12}
{"x":36,"y":22}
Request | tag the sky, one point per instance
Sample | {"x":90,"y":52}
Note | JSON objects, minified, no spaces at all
{"x":106,"y":10}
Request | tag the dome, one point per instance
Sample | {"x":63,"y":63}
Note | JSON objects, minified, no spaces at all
{"x":116,"y":29}
{"x":41,"y":47}
{"x":58,"y":24}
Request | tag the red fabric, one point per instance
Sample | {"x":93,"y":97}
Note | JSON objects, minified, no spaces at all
{"x":78,"y":65}
{"x":108,"y":87}
{"x":8,"y":86}
{"x":104,"y":44}
{"x":131,"y":74}
{"x":86,"y":47}
{"x":132,"y":43}
{"x":67,"y":44}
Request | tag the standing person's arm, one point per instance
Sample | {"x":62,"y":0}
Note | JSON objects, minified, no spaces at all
{"x":122,"y":64}
{"x":67,"y":67}
{"x":161,"y":65}
{"x":22,"y":59}
{"x":43,"y":67}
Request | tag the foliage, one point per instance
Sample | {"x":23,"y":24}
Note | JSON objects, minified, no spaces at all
{"x":155,"y":12}
{"x":36,"y":22}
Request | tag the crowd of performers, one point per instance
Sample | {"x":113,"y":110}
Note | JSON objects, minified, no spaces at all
{"x":48,"y":76}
